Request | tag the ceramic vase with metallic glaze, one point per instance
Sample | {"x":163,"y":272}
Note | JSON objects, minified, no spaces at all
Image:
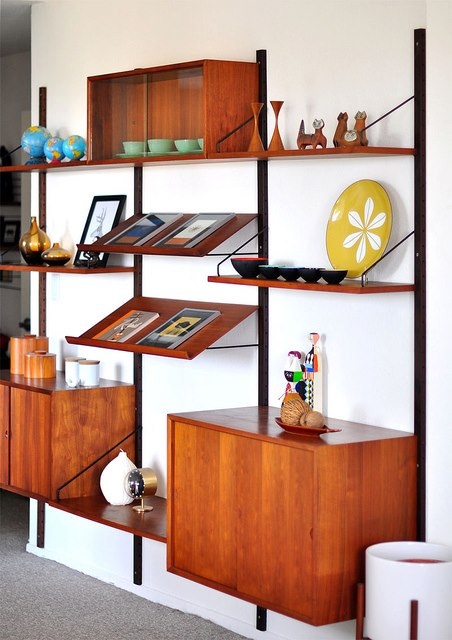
{"x":32,"y":243}
{"x":56,"y":255}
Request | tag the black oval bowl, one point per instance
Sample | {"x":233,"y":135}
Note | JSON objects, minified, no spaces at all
{"x":289,"y":273}
{"x":333,"y":276}
{"x":269,"y":271}
{"x":248,"y":267}
{"x":310,"y":274}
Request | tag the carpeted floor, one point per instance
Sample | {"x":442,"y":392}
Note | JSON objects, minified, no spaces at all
{"x":43,"y":600}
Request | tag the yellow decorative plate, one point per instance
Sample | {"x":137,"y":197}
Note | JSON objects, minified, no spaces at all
{"x":359,"y":227}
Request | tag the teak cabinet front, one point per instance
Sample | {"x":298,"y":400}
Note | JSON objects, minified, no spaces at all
{"x":55,"y":432}
{"x":282,"y":520}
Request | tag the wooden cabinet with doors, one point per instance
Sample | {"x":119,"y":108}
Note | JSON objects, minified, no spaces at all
{"x":50,"y":433}
{"x":282,"y":520}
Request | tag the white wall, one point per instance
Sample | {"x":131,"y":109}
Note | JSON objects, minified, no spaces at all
{"x":323,"y":58}
{"x":439,"y":294}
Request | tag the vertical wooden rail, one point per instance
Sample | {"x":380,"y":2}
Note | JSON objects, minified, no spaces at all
{"x":262,"y":210}
{"x":138,"y":374}
{"x":360,"y":594}
{"x":414,"y":608}
{"x":420,"y":360}
{"x":42,"y":320}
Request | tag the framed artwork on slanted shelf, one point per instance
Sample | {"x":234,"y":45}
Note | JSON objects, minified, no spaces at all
{"x":104,"y":214}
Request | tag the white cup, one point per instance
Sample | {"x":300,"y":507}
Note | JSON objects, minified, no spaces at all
{"x":89,"y":373}
{"x":71,"y":371}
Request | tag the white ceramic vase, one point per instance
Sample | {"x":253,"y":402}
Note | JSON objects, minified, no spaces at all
{"x":112,"y":479}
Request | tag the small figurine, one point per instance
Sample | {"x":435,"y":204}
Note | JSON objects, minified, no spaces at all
{"x":293,"y":372}
{"x":310,"y":387}
{"x":356,"y":137}
{"x":316,"y":139}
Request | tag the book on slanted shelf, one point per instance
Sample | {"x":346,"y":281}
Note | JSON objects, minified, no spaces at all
{"x":142,"y":230}
{"x":181,"y":326}
{"x":193,"y":231}
{"x":127,"y":325}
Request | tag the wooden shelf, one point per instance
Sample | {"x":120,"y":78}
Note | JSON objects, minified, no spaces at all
{"x":350,"y":152}
{"x":295,"y":154}
{"x":259,"y":423}
{"x":203,"y":248}
{"x":44,"y":167}
{"x":230,"y":316}
{"x":346,"y":286}
{"x":151,"y":524}
{"x":69,"y":270}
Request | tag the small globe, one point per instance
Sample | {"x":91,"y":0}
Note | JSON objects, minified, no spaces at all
{"x":53,"y":149}
{"x":33,"y":141}
{"x":74,"y":147}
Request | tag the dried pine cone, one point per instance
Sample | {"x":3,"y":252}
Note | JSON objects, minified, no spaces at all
{"x":313,"y":419}
{"x":293,"y":407}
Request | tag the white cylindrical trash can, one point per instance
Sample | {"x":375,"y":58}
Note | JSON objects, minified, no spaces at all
{"x":398,"y":572}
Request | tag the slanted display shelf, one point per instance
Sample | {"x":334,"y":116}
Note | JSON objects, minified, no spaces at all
{"x":151,"y":524}
{"x":202,"y":248}
{"x":230,"y":315}
{"x":346,"y":286}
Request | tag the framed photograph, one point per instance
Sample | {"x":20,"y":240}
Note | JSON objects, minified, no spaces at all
{"x":141,"y":231}
{"x":9,"y":232}
{"x":193,"y":231}
{"x":179,"y":328}
{"x":127,"y":325}
{"x":104,"y":214}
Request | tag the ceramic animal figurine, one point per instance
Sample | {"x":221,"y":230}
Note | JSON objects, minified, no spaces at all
{"x":342,"y":120}
{"x":355,"y":137}
{"x":316,"y":139}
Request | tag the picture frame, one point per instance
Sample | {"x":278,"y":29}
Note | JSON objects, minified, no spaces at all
{"x":9,"y":232}
{"x":181,"y":326}
{"x":142,"y":230}
{"x":104,"y":214}
{"x":127,"y":326}
{"x":193,"y":231}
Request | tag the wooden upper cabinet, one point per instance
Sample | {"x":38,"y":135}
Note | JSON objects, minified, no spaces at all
{"x":202,"y":99}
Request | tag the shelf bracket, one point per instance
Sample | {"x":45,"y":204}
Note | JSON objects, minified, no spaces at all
{"x":87,"y":468}
{"x":364,"y":274}
{"x":229,"y":255}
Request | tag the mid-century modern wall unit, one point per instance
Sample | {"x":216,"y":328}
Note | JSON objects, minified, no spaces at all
{"x":276,"y":519}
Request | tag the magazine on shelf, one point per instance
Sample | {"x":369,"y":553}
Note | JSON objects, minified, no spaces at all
{"x":194,"y":230}
{"x":181,"y":326}
{"x":127,"y":325}
{"x":142,"y":230}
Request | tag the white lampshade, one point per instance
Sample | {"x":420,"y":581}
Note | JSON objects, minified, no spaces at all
{"x":396,"y":574}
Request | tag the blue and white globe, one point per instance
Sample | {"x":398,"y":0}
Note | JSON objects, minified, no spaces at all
{"x":33,"y":140}
{"x":53,"y":149}
{"x":74,"y":147}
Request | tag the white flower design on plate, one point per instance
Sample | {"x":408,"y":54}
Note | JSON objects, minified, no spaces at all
{"x":366,"y":230}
